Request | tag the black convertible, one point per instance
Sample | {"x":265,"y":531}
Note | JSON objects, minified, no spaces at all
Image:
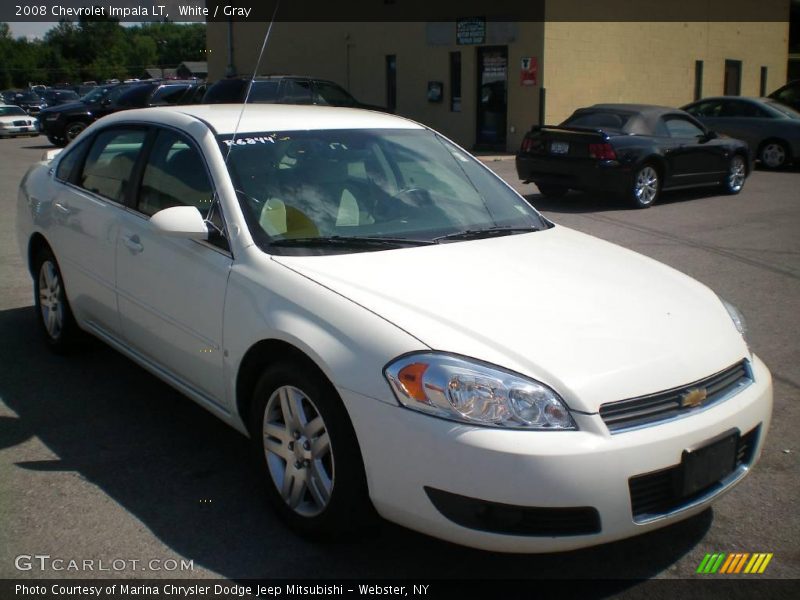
{"x":631,"y":150}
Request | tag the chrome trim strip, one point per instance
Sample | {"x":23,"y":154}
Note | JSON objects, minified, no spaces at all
{"x":722,"y":486}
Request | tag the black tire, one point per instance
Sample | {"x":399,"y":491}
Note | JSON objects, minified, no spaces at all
{"x":552,"y":191}
{"x":348,"y":507}
{"x":645,"y":186}
{"x":736,"y":176}
{"x":53,"y":312}
{"x":774,"y":155}
{"x":73,"y":130}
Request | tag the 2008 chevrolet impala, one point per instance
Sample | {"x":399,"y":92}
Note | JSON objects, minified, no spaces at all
{"x":394,"y":326}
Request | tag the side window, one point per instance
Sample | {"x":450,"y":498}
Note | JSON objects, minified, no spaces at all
{"x":332,"y":94}
{"x":296,"y":91}
{"x":710,"y":108}
{"x":69,"y":162}
{"x":264,"y":91}
{"x":174,"y":175}
{"x":681,"y":128}
{"x":169,"y":94}
{"x":109,"y":164}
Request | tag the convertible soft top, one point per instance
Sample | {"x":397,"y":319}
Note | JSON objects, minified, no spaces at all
{"x":636,"y":119}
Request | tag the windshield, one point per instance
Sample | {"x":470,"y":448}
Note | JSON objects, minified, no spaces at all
{"x":96,"y":95}
{"x":404,"y":185}
{"x":12,"y":111}
{"x":28,"y":97}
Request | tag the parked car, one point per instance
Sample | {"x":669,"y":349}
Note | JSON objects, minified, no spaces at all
{"x":64,"y":123}
{"x":770,"y":128}
{"x":394,"y":326}
{"x":28,"y":101}
{"x":282,"y":89}
{"x":788,"y":95}
{"x":56,"y":97}
{"x":632,"y":150}
{"x":15,"y":121}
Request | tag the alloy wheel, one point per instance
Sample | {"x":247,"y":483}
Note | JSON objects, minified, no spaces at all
{"x":645,"y":187}
{"x":298,"y":451}
{"x":736,"y":174}
{"x":50,"y":302}
{"x":773,"y":155}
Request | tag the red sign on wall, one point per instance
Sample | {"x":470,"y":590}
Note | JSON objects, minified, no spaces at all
{"x":529,"y":68}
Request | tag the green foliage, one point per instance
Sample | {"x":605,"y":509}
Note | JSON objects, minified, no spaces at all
{"x":96,"y":49}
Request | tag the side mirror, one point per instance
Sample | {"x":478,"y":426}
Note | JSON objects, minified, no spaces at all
{"x":180,"y":221}
{"x":710,"y":135}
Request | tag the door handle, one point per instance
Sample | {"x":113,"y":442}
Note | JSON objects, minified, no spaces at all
{"x":133,"y":243}
{"x":64,"y":210}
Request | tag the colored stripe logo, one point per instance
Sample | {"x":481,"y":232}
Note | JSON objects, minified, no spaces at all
{"x":734,"y":563}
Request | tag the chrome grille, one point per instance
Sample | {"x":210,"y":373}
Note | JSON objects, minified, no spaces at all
{"x":647,"y":410}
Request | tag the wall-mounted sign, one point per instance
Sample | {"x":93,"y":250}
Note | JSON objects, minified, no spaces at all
{"x":528,"y":70}
{"x":435,"y":91}
{"x":471,"y":31}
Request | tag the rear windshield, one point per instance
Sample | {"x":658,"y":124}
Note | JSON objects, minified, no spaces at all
{"x":598,"y":120}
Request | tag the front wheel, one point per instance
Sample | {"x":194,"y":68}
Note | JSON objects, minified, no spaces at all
{"x":646,"y":187}
{"x":308,"y":450}
{"x":74,"y":130}
{"x":737,"y":173}
{"x":52,"y":308}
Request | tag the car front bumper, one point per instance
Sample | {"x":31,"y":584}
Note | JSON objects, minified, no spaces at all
{"x":19,"y":130}
{"x":413,"y":460}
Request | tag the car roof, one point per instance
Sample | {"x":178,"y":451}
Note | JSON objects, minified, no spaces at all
{"x":746,"y":98}
{"x":644,"y":117}
{"x":643,"y":109}
{"x":268,"y":117}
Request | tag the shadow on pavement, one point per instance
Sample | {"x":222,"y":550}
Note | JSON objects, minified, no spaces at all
{"x":158,"y":455}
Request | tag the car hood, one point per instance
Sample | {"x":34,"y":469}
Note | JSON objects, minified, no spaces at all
{"x":594,"y":321}
{"x":70,"y":106}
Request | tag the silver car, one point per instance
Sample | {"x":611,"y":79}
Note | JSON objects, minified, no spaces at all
{"x":771,"y":129}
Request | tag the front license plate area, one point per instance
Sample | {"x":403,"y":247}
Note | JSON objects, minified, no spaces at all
{"x":559,"y":147}
{"x":708,"y":464}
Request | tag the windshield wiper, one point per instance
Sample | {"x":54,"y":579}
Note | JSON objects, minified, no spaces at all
{"x":347,"y":240}
{"x":476,"y":234}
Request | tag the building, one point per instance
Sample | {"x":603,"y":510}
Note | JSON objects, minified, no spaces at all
{"x":484,"y":82}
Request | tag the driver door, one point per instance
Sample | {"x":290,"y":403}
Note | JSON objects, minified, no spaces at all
{"x":171,"y":291}
{"x":692,"y":157}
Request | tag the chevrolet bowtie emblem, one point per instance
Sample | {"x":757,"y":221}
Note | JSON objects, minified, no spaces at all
{"x":694,"y":398}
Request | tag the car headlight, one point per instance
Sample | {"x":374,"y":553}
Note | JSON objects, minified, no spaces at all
{"x":472,"y":392}
{"x":736,"y":317}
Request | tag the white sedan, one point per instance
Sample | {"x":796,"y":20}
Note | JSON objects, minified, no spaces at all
{"x":393,"y":326}
{"x":15,"y":121}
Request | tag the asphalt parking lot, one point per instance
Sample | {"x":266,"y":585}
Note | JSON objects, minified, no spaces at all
{"x":99,"y":460}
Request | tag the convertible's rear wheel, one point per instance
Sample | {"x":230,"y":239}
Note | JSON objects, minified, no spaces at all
{"x":774,"y":155}
{"x":307,"y":447}
{"x":737,"y":173}
{"x":52,"y":308}
{"x":646,"y":187}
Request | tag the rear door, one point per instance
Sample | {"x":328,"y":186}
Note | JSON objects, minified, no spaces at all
{"x":171,"y":291}
{"x":95,"y":176}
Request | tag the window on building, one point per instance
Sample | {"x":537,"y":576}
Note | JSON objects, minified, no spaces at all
{"x":698,"y":79}
{"x":391,"y":82}
{"x":733,"y":78}
{"x":455,"y":81}
{"x":763,"y":87}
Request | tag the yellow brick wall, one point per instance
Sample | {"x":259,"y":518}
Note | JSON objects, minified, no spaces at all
{"x":654,"y":63}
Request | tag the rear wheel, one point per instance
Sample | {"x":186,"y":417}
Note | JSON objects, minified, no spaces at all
{"x":307,"y":448}
{"x":52,"y":308}
{"x":552,"y":191}
{"x":774,"y":154}
{"x":56,"y":141}
{"x":737,"y":173}
{"x":646,"y":187}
